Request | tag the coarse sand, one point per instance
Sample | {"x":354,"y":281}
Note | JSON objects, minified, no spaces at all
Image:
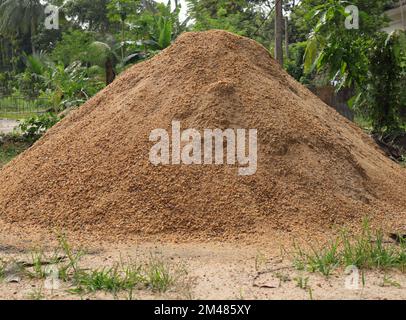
{"x":91,"y":175}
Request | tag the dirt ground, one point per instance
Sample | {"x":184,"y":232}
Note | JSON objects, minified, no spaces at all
{"x":7,"y":126}
{"x":208,"y":271}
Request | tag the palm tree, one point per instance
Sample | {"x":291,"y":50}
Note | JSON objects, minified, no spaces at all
{"x":20,"y":17}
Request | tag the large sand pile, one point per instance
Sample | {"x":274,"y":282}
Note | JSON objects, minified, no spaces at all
{"x":91,"y":172}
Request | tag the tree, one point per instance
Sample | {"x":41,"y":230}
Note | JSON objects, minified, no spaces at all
{"x":91,"y":14}
{"x":278,"y":32}
{"x":363,"y":59}
{"x":385,"y":97}
{"x":301,"y":23}
{"x":119,"y":10}
{"x":340,"y":50}
{"x":73,"y":46}
{"x":247,"y":18}
{"x":21,"y":17}
{"x":156,"y":26}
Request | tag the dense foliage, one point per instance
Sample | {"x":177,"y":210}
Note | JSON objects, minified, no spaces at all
{"x":365,"y":59}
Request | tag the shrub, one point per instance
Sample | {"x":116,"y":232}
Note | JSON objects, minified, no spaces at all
{"x":34,"y":127}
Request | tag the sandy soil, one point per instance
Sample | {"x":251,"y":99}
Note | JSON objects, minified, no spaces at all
{"x":209,"y":271}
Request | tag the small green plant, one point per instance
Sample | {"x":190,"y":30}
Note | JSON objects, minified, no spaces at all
{"x":73,"y":258}
{"x":133,"y":276}
{"x":158,"y":275}
{"x":367,"y":250}
{"x":37,"y":261}
{"x":117,"y":278}
{"x":299,"y":259}
{"x":387,"y":281}
{"x":155,"y":275}
{"x":324,"y":260}
{"x":302,"y":282}
{"x":109,"y":280}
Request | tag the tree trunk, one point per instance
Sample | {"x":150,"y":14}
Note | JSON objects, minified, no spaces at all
{"x":122,"y":39}
{"x":13,"y":54}
{"x":110,"y":74}
{"x":3,"y":51}
{"x":278,"y":32}
{"x":33,"y":33}
{"x":286,"y":38}
{"x":177,"y":18}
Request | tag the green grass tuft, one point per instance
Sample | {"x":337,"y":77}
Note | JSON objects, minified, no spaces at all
{"x":302,"y":282}
{"x":109,"y":280}
{"x":367,"y":250}
{"x":389,"y":282}
{"x":37,"y":261}
{"x":158,"y":275}
{"x":73,"y":258}
{"x":155,"y":275}
{"x":324,"y":260}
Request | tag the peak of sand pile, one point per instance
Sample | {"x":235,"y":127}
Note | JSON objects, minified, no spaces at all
{"x":91,"y":172}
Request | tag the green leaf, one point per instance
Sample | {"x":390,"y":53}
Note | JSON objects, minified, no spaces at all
{"x":165,"y":32}
{"x":354,"y":100}
{"x":310,"y":54}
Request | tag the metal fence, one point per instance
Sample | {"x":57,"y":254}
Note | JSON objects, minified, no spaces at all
{"x":23,"y":106}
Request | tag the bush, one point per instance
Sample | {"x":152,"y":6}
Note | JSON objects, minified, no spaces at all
{"x":294,"y":66}
{"x":34,"y":127}
{"x":386,"y":96}
{"x":72,"y":47}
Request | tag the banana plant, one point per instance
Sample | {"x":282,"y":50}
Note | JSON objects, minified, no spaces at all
{"x":165,"y":27}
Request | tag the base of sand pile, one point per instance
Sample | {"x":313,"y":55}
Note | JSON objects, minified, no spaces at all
{"x":29,"y":237}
